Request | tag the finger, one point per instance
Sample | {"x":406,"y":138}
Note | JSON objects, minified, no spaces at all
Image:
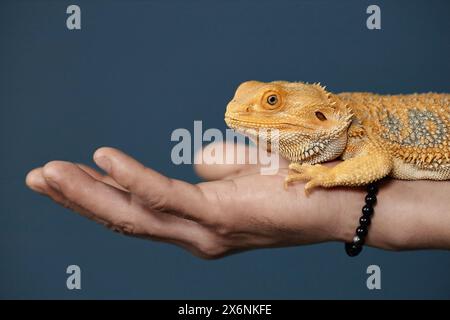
{"x":100,"y":177}
{"x":161,"y":227}
{"x":105,"y":202}
{"x":36,"y":181}
{"x":220,"y":160}
{"x":157,"y":191}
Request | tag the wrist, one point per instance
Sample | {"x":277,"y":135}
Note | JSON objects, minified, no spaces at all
{"x":349,"y":211}
{"x":408,"y":215}
{"x":384,"y":230}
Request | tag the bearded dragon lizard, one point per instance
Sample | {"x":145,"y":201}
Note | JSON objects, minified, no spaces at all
{"x":402,"y":136}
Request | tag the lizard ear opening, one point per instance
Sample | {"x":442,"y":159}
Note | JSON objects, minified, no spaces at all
{"x":320,"y":116}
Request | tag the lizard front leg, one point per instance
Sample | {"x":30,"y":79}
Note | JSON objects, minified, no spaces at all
{"x":370,"y":165}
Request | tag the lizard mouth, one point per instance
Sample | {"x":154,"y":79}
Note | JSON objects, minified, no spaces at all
{"x":235,"y":123}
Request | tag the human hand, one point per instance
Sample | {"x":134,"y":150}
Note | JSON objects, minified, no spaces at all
{"x":240,"y":210}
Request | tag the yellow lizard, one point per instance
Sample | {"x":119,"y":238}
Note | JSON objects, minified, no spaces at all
{"x":403,"y":136}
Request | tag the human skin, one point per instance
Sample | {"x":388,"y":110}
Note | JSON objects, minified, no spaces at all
{"x":240,"y":209}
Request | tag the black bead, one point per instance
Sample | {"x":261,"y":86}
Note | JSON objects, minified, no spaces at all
{"x":361,"y":231}
{"x":355,"y":247}
{"x":357,"y":241}
{"x":371,"y":199}
{"x":372,"y":188}
{"x":352,"y":249}
{"x":364,"y":221}
{"x":367,"y":210}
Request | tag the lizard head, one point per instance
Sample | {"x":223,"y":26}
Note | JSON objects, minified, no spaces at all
{"x":311,"y":123}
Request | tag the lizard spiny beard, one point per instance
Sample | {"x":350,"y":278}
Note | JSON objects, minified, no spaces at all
{"x":300,"y":148}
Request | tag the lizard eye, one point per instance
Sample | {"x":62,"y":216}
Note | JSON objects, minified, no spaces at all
{"x":320,"y":116}
{"x":272,"y":99}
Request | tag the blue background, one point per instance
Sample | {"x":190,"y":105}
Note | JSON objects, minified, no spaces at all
{"x":140,"y":69}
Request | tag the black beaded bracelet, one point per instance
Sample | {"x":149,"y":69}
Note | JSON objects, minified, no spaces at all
{"x":355,"y":247}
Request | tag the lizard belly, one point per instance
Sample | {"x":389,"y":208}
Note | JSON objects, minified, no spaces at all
{"x":408,"y":171}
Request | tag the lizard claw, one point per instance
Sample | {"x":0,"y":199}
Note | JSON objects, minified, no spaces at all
{"x":311,"y":185}
{"x":314,"y":174}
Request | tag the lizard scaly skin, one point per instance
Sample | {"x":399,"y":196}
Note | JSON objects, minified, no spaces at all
{"x":403,"y":136}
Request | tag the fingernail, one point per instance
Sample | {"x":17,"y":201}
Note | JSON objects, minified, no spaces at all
{"x":53,"y":184}
{"x":103,"y":162}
